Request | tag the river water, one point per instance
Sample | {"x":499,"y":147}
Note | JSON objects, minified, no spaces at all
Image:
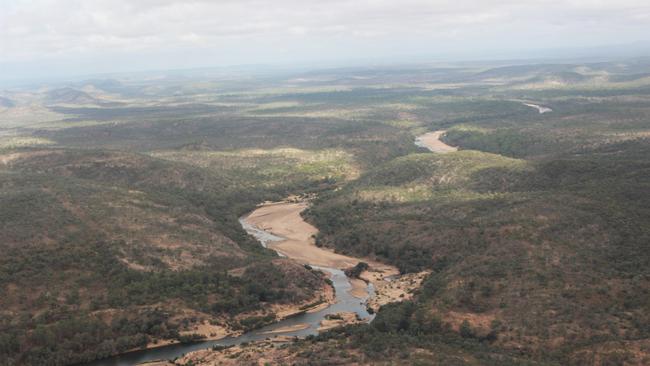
{"x":345,"y":302}
{"x":540,"y":109}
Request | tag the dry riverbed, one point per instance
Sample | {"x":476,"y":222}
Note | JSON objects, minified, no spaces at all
{"x":291,"y":236}
{"x":287,"y":329}
{"x":295,"y":240}
{"x":283,"y":219}
{"x":431,"y":141}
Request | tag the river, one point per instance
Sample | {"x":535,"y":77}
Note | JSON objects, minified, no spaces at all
{"x":308,"y":323}
{"x":540,"y":109}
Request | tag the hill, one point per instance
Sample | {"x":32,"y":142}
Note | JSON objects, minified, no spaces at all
{"x":535,"y":233}
{"x":69,"y":96}
{"x":113,"y":248}
{"x":516,"y":243}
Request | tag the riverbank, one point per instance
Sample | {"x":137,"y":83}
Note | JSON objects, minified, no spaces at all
{"x":284,"y":220}
{"x":394,"y":289}
{"x":280,"y":226}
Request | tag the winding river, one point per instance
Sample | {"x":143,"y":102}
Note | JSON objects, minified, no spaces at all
{"x":303,"y":324}
{"x":280,"y":227}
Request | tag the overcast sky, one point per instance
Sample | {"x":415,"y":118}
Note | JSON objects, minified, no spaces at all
{"x":61,"y":37}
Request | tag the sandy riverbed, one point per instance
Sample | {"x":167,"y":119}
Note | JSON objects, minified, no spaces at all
{"x":283,"y":219}
{"x":209,"y":331}
{"x":432,"y":142}
{"x":358,"y":289}
{"x":338,"y":320}
{"x":287,"y":329}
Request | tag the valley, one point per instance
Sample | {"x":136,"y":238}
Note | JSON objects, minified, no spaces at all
{"x":483,"y":214}
{"x":279,"y":226}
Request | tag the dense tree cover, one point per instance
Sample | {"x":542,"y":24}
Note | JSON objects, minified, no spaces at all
{"x":400,"y":335}
{"x":510,"y":238}
{"x":537,"y":241}
{"x":98,"y":210}
{"x":58,"y":329}
{"x":64,"y":239}
{"x":78,"y":338}
{"x":355,"y":271}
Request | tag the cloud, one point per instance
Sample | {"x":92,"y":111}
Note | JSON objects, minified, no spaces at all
{"x":32,"y":30}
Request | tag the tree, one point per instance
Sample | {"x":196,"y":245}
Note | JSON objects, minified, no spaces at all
{"x":466,"y":330}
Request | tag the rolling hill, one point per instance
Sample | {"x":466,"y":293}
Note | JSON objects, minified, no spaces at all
{"x":122,"y":221}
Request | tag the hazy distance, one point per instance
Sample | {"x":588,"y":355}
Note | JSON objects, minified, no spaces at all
{"x":46,"y":38}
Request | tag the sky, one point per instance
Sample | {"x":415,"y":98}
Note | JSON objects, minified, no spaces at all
{"x":67,"y":37}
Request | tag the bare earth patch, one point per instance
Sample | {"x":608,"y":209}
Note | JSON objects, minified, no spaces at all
{"x":398,"y":289}
{"x":287,"y":329}
{"x":359,"y":288}
{"x":258,"y":354}
{"x":209,"y":331}
{"x":157,"y":363}
{"x":432,"y":142}
{"x":338,"y":320}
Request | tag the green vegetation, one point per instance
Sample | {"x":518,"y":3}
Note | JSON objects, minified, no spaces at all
{"x":356,"y":271}
{"x":519,"y":241}
{"x":100,"y":236}
{"x":119,"y":216}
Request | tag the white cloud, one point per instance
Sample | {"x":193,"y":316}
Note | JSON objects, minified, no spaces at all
{"x":33,"y":30}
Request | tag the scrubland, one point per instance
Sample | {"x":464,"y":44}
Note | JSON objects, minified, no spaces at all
{"x":119,"y":212}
